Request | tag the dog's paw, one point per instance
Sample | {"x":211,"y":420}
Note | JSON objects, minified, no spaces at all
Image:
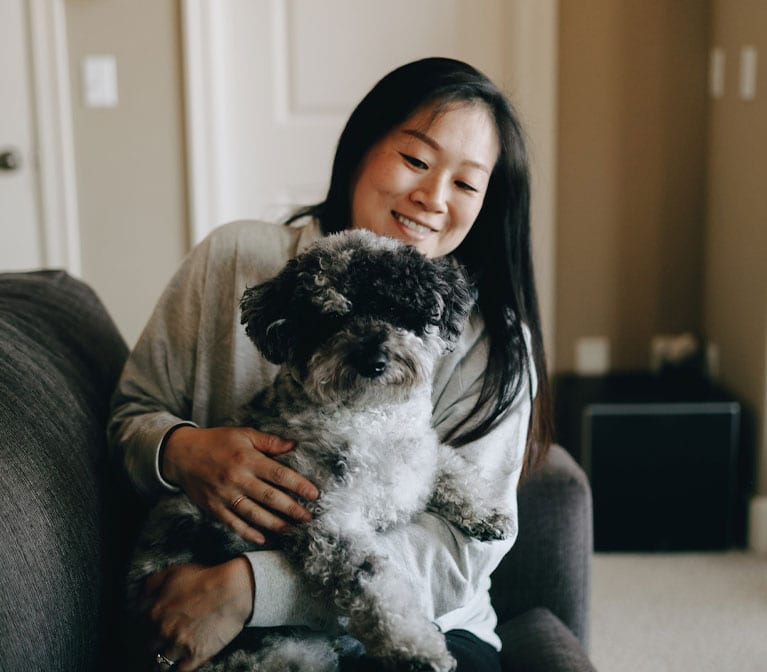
{"x":492,"y":527}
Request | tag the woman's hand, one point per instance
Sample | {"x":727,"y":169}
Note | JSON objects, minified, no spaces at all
{"x":228,"y":471}
{"x":196,"y":611}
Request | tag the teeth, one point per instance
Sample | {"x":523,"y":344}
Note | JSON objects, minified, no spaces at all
{"x":410,"y":224}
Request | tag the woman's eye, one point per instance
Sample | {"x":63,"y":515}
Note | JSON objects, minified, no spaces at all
{"x":465,"y":186}
{"x":413,"y":161}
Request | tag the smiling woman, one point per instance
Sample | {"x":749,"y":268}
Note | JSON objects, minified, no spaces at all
{"x":433,"y":156}
{"x":424,"y":182}
{"x":444,"y":123}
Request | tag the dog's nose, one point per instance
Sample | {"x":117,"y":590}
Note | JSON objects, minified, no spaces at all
{"x":370,"y":361}
{"x":375,"y":367}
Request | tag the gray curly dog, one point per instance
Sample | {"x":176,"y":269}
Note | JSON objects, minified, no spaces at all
{"x":357,"y":323}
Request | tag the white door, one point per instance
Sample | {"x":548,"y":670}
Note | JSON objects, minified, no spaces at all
{"x":20,"y":235}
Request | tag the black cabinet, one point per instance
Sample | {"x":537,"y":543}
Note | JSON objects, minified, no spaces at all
{"x":662,"y":458}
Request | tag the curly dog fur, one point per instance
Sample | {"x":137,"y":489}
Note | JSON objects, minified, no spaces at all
{"x":357,"y":323}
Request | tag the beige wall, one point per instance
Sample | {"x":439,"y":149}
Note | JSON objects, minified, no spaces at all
{"x":662,"y":205}
{"x":130,"y":160}
{"x":735,"y":279}
{"x":631,"y":177}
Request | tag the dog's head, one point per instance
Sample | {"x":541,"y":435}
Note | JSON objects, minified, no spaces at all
{"x":357,"y":313}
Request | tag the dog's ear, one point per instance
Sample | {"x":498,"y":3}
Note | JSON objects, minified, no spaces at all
{"x":456,"y":297}
{"x":264,"y":312}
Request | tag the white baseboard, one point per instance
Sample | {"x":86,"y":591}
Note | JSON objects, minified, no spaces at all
{"x":757,"y":524}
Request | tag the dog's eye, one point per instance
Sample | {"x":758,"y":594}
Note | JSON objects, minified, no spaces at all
{"x":330,"y":322}
{"x":408,"y":318}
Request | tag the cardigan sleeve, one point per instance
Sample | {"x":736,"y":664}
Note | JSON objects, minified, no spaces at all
{"x":154,"y":392}
{"x":193,"y":363}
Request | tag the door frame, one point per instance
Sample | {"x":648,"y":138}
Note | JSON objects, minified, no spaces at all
{"x":200,"y":53}
{"x":53,"y":135}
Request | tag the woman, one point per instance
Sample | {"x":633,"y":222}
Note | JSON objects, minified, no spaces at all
{"x":433,"y":156}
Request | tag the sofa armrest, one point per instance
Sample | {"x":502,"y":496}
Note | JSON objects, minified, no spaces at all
{"x":550,"y":563}
{"x":537,"y":641}
{"x":60,"y":356}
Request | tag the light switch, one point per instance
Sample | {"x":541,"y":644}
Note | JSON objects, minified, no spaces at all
{"x":99,"y":81}
{"x":748,"y":73}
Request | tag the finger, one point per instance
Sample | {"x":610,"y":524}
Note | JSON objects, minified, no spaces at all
{"x":163,"y":649}
{"x":166,"y":658}
{"x":284,"y":477}
{"x":272,"y":501}
{"x":269,"y":443}
{"x":190,"y":664}
{"x":255,"y":515}
{"x":240,"y":526}
{"x":262,"y":494}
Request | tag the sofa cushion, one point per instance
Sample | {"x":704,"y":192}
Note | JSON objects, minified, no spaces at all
{"x":60,"y":356}
{"x":537,"y":641}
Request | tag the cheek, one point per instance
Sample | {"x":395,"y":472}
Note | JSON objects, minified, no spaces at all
{"x":467,"y":214}
{"x":384,"y":172}
{"x":378,"y":183}
{"x":463,"y":219}
{"x":385,"y":178}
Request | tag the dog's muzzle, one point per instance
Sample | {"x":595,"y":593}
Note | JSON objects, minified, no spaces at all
{"x":369,"y":359}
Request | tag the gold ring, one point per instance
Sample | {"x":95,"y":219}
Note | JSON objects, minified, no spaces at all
{"x":163,"y":660}
{"x":233,"y":506}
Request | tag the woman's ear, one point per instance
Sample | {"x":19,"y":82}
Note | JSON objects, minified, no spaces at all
{"x":264,"y":312}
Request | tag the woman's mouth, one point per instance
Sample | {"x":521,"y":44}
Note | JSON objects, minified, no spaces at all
{"x":411,"y":225}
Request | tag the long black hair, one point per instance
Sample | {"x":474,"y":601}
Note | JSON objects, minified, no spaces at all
{"x":497,"y":250}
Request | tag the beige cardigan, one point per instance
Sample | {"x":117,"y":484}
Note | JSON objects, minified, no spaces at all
{"x":194,"y":364}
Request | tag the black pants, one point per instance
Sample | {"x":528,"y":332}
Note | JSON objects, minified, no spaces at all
{"x":471,"y":653}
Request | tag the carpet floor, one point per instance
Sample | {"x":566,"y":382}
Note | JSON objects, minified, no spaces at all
{"x":702,"y":612}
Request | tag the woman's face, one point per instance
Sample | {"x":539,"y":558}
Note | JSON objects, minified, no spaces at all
{"x":425,"y":181}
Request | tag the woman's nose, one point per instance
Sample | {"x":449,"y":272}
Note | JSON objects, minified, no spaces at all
{"x":431,"y":194}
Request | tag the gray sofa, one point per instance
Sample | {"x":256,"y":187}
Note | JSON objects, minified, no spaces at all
{"x":67,"y":517}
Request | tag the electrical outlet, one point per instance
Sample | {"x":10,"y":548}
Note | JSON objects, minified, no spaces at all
{"x":592,"y":355}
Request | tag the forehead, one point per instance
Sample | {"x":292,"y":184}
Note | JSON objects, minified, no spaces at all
{"x":466,"y":130}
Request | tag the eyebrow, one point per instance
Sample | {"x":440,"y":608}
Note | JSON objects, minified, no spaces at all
{"x":420,"y":135}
